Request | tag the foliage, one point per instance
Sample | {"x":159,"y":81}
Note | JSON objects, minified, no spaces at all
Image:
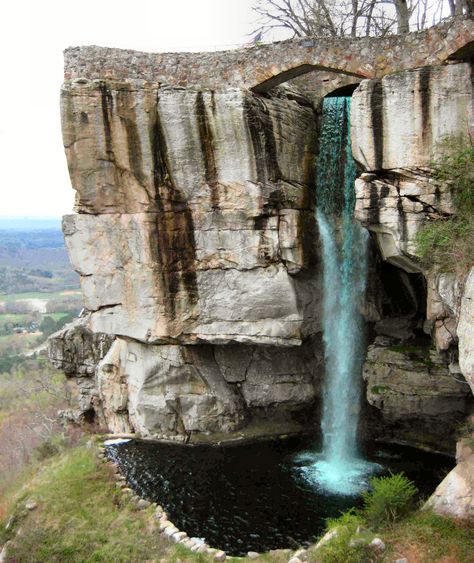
{"x":389,"y":499}
{"x":339,"y":549}
{"x":448,"y":242}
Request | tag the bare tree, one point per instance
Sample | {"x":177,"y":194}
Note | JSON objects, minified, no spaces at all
{"x":354,"y":18}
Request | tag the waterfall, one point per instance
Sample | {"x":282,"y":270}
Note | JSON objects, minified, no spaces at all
{"x":339,"y":467}
{"x":344,"y":254}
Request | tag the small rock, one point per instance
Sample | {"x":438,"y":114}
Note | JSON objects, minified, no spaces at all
{"x":170,"y":530}
{"x":301,"y":554}
{"x":355,"y":542}
{"x":328,"y":536}
{"x":252,"y":555}
{"x":9,"y":523}
{"x":212,"y":550}
{"x":4,"y":552}
{"x":377,"y":543}
{"x":295,"y":560}
{"x":220,"y":556}
{"x":179,"y":537}
{"x":164,"y":524}
{"x":202,"y":548}
{"x":402,"y":560}
{"x":31,"y":505}
{"x":142,"y":504}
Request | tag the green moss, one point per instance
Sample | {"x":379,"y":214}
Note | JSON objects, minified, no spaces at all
{"x":378,"y":389}
{"x":416,"y":354}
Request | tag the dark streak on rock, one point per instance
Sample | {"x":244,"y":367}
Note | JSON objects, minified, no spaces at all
{"x":262,"y":135}
{"x":107,"y":110}
{"x":213,"y":102}
{"x":126,"y":112}
{"x":84,"y":118}
{"x":174,"y":247}
{"x":374,"y":209}
{"x":402,"y":220}
{"x":206,"y":138}
{"x":425,"y":95}
{"x":307,"y":233}
{"x":376,"y":105}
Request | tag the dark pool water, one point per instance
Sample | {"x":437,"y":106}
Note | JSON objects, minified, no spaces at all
{"x":253,"y":497}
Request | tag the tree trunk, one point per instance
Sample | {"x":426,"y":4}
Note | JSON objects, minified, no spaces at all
{"x":403,"y":16}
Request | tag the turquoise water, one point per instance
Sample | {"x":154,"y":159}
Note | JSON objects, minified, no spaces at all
{"x":339,"y":467}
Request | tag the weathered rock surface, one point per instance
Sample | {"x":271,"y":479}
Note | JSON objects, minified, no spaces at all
{"x":167,"y":391}
{"x":454,"y":496}
{"x":395,"y":205}
{"x":398,"y":121}
{"x":196,"y":214}
{"x":465,"y":331}
{"x":76,"y":351}
{"x":398,"y":124}
{"x":419,"y":401}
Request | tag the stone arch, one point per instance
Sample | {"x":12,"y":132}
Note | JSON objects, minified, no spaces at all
{"x":299,"y":70}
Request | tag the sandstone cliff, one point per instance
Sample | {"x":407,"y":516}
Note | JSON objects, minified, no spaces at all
{"x":195,"y":242}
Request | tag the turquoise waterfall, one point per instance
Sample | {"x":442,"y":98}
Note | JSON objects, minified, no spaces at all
{"x":339,"y":467}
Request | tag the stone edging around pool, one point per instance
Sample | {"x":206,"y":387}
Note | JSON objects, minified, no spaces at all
{"x":168,"y":529}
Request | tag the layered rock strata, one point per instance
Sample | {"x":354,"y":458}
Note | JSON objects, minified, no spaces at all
{"x":420,"y":402}
{"x":196,"y":246}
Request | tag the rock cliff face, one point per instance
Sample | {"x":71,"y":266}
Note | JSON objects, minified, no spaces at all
{"x":421,"y":395}
{"x":195,"y":241}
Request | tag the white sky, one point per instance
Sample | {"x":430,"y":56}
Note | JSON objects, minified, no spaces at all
{"x":33,"y":33}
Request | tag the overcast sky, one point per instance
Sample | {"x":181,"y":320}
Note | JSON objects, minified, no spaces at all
{"x":33,"y":34}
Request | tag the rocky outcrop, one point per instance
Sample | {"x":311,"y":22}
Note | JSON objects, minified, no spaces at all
{"x":418,"y":400}
{"x":195,"y":213}
{"x":399,"y":124}
{"x":195,"y":239}
{"x":454,"y":496}
{"x":196,"y":246}
{"x":465,"y":331}
{"x":172,"y":391}
{"x":398,"y":121}
{"x":77,"y":351}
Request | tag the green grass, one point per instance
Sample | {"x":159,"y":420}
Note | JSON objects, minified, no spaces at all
{"x":82,"y":517}
{"x":427,"y":537}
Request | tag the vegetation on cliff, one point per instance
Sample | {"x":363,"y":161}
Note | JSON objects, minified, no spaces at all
{"x":448,"y":242}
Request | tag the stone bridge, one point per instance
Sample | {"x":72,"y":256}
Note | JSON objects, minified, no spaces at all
{"x":265,"y":66}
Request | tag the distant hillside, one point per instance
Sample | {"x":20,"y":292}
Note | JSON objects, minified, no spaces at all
{"x":29,"y":223}
{"x":33,"y":260}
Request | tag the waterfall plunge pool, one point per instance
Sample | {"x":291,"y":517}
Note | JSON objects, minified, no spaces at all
{"x":258,"y":497}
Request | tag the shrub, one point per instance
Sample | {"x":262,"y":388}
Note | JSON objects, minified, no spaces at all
{"x":448,"y":243}
{"x":389,"y":499}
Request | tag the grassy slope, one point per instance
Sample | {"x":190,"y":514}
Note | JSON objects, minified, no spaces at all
{"x":82,"y":517}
